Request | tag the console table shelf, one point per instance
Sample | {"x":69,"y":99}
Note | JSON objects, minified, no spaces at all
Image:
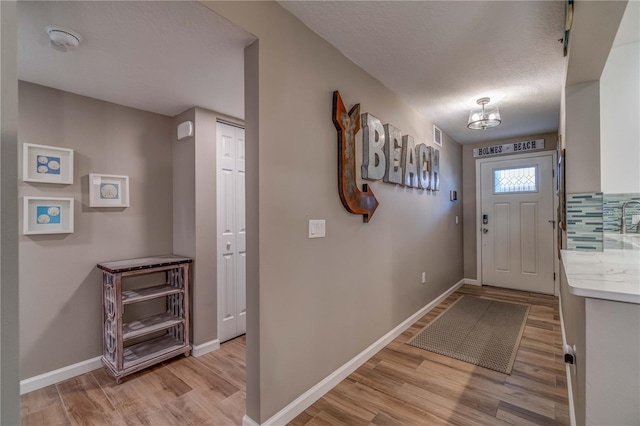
{"x":131,"y":346}
{"x":137,"y":354}
{"x":143,"y":294}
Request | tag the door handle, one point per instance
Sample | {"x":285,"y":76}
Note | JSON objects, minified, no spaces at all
{"x":485,"y":230}
{"x":228,"y":246}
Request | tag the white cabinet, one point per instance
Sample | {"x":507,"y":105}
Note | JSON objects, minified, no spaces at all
{"x":612,"y":357}
{"x":126,"y":348}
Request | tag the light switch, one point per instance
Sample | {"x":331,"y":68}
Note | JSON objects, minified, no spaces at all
{"x":317,"y":229}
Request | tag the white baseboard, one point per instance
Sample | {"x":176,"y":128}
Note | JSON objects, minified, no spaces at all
{"x":59,"y":375}
{"x":71,"y":371}
{"x":471,"y":282}
{"x":567,"y":368}
{"x":205,"y":348}
{"x":305,"y":400}
{"x":248,"y":421}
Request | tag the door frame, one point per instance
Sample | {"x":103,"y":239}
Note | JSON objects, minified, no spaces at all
{"x":478,"y":215}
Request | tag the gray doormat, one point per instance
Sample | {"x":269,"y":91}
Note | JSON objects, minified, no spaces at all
{"x":478,"y":331}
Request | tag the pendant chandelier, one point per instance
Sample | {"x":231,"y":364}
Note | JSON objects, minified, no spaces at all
{"x":484,"y":118}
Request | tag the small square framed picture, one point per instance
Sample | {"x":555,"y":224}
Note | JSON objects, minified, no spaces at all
{"x":437,"y":136}
{"x":47,"y":164}
{"x":47,"y":215}
{"x":108,"y":190}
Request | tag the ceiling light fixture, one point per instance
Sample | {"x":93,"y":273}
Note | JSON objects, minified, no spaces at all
{"x":484,"y":118}
{"x":63,"y":39}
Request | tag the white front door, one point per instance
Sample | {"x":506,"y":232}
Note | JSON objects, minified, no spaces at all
{"x":516,"y":223}
{"x":231,"y":233}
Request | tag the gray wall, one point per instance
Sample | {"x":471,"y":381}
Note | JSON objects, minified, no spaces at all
{"x":184,"y":214}
{"x":580,"y":132}
{"x":194,"y":210}
{"x":582,"y":137}
{"x":252,"y":132}
{"x":594,"y":27}
{"x":469,"y":194}
{"x":9,"y":391}
{"x":58,"y":277}
{"x":323,"y":301}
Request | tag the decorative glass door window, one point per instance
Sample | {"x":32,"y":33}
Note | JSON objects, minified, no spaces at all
{"x":521,"y":179}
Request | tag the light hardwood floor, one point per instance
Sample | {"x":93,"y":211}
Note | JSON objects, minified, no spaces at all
{"x":404,"y":385}
{"x":208,"y":390}
{"x":401,"y":385}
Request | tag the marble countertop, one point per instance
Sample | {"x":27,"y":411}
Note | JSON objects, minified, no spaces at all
{"x":622,"y":242}
{"x":611,"y":275}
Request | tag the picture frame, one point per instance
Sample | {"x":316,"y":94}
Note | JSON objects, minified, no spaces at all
{"x":47,"y":215}
{"x":437,"y":136}
{"x":47,"y":164}
{"x":108,"y":190}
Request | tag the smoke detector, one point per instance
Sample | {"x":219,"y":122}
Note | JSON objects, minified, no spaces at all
{"x":63,"y":39}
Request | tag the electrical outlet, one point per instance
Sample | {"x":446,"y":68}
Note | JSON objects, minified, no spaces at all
{"x":635,"y":219}
{"x":424,"y":277}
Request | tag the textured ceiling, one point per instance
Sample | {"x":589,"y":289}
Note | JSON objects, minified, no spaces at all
{"x":163,"y":57}
{"x":441,"y":56}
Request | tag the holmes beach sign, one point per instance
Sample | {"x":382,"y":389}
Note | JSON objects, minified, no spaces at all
{"x":509,"y":148}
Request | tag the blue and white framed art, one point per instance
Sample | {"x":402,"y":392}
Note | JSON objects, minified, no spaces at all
{"x":108,"y":190}
{"x":47,"y":164}
{"x":47,"y":215}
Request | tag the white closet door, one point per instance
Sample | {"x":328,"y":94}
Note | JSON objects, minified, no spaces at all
{"x":241,"y":236}
{"x":231,"y":232}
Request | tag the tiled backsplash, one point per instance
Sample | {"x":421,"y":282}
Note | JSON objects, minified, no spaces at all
{"x":584,"y":222}
{"x":591,"y":215}
{"x":612,"y":211}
